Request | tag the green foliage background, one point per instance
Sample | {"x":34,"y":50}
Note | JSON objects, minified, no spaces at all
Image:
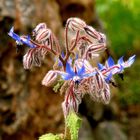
{"x":121,"y":21}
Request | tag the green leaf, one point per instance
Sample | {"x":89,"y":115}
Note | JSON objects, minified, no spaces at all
{"x":58,"y":85}
{"x":50,"y":137}
{"x":73,"y":122}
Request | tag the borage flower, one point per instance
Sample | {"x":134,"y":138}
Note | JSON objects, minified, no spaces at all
{"x":75,"y":76}
{"x":34,"y":55}
{"x":111,"y":68}
{"x":79,"y":75}
{"x":97,"y":86}
{"x":94,"y":85}
{"x":73,"y":97}
{"x":20,"y":40}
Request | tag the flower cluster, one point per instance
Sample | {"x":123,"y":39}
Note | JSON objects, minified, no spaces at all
{"x":82,"y":44}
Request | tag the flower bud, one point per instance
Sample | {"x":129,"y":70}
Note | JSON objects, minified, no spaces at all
{"x":49,"y":78}
{"x":76,"y":24}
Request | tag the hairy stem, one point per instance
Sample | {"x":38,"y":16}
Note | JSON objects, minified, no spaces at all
{"x":48,"y":49}
{"x":76,"y":41}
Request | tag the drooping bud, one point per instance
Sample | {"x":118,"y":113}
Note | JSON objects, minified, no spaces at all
{"x":39,"y":27}
{"x":95,"y":34}
{"x":76,"y":24}
{"x":105,"y":96}
{"x":94,"y":50}
{"x":34,"y":57}
{"x":49,"y":78}
{"x":42,"y":34}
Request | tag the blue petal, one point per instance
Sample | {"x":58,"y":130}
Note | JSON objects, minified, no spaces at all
{"x":110,"y":61}
{"x":121,"y":68}
{"x":120,"y":61}
{"x":88,"y":74}
{"x":107,"y":79}
{"x":19,"y":40}
{"x":66,"y":76}
{"x":14,"y":35}
{"x":81,"y":71}
{"x":131,"y":60}
{"x":100,"y":66}
{"x":27,"y":42}
{"x":69,"y":69}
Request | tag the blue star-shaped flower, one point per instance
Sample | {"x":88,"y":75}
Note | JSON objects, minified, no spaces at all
{"x":127,"y":63}
{"x":77,"y":74}
{"x":115,"y":68}
{"x":20,"y":40}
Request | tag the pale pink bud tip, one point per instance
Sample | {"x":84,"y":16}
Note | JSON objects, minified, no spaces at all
{"x":49,"y":78}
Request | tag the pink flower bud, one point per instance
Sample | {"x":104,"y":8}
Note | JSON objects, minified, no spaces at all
{"x":34,"y":57}
{"x":49,"y":78}
{"x":75,"y":24}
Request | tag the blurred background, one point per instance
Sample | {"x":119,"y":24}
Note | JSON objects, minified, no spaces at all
{"x":28,"y":109}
